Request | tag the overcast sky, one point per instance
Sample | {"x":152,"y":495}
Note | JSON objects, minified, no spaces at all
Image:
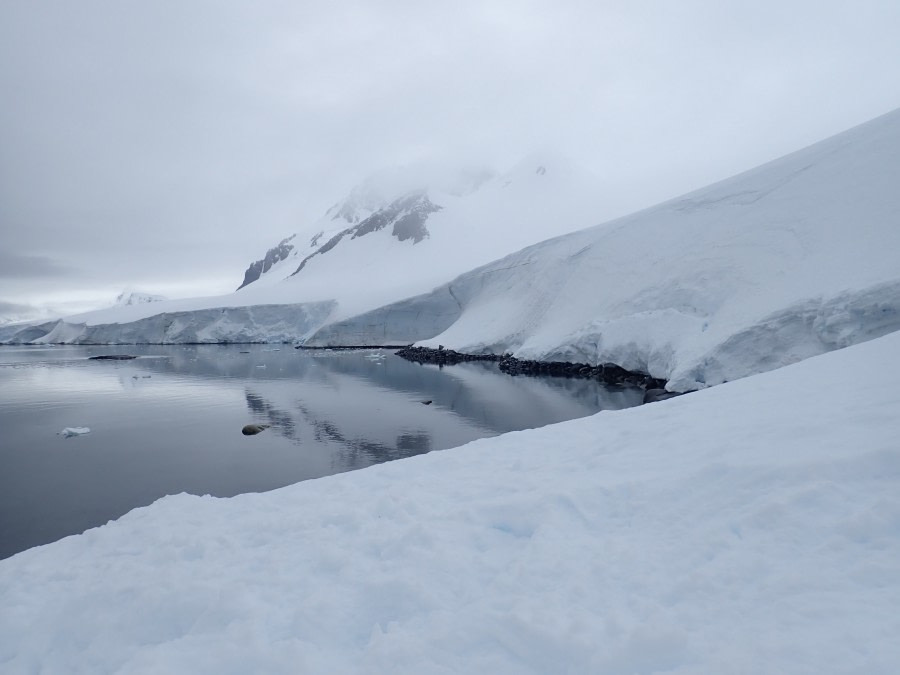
{"x":163,"y":145}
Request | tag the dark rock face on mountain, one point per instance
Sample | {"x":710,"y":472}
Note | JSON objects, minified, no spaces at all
{"x":273,"y":255}
{"x":407,"y":215}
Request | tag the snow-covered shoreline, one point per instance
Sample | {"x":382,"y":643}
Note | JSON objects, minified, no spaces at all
{"x":791,"y":259}
{"x":750,"y":527}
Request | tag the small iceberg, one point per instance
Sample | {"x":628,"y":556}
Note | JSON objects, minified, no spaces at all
{"x":68,"y":432}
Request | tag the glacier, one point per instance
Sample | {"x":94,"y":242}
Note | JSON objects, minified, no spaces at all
{"x":256,"y":323}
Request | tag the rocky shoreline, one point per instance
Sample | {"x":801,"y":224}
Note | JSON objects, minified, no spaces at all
{"x":441,"y":356}
{"x":608,"y":373}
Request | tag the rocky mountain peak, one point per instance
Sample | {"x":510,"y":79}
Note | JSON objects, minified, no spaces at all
{"x":274,"y":255}
{"x":407,"y":215}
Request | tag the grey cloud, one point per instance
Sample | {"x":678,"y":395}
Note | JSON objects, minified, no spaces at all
{"x":14,"y":266}
{"x":14,"y":308}
{"x":169,"y":139}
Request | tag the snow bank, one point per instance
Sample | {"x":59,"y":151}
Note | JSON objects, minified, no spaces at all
{"x":752,"y":527}
{"x":792,"y":259}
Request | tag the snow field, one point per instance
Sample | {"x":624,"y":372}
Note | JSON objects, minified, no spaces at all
{"x":751,"y":527}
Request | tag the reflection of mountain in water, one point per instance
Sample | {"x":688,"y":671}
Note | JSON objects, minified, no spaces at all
{"x":353,"y":451}
{"x":360,"y":451}
{"x":368,"y":408}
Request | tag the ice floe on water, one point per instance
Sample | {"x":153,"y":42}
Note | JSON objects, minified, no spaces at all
{"x":69,"y":432}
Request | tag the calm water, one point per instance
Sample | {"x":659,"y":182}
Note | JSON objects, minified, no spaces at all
{"x":170,"y":421}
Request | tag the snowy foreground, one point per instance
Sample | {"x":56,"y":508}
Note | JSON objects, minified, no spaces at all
{"x":752,"y":527}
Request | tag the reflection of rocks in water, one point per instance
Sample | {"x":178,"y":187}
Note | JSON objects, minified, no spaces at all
{"x":278,"y":419}
{"x":255,"y":403}
{"x":414,"y":444}
{"x":326,"y":431}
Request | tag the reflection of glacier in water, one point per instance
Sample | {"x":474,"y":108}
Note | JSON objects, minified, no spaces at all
{"x":170,"y":422}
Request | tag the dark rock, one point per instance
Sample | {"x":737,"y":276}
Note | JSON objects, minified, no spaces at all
{"x":654,"y":395}
{"x":426,"y":402}
{"x":253,"y":429}
{"x":441,"y":357}
{"x":608,"y":373}
{"x":408,"y":215}
{"x":112,"y":357}
{"x":273,"y":255}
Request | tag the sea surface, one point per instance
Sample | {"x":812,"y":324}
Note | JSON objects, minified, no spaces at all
{"x":170,"y":421}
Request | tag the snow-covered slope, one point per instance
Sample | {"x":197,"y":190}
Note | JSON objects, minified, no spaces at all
{"x":421,"y":236}
{"x":747,"y":528}
{"x":794,"y":258}
{"x":388,"y":240}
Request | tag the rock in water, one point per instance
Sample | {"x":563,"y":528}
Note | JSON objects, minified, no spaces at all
{"x":112,"y":357}
{"x":253,"y":429}
{"x":426,"y":402}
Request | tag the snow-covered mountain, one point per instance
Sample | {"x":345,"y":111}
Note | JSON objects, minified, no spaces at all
{"x":407,"y":216}
{"x":398,"y":198}
{"x":792,"y":259}
{"x":394,"y":236}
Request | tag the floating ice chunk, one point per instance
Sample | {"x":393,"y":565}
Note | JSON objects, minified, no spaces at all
{"x":68,"y":432}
